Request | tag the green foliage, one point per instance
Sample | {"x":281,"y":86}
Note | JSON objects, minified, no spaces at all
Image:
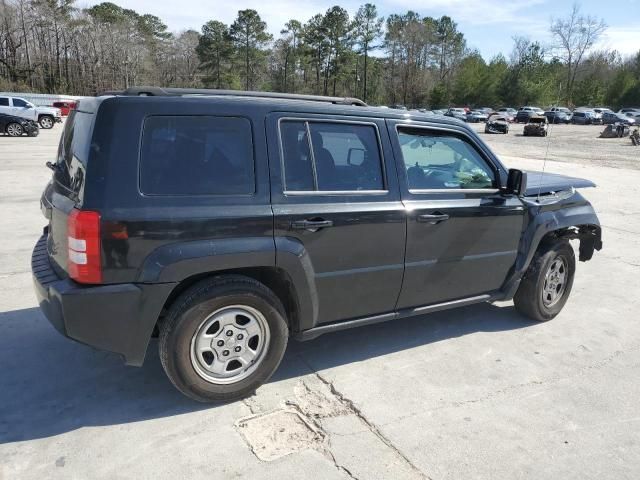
{"x":250,"y":37}
{"x":407,"y":58}
{"x":215,"y":51}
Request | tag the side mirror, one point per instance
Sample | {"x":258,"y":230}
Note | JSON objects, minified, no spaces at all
{"x":516,"y":182}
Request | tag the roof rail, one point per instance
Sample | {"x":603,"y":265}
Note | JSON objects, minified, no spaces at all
{"x":176,"y":92}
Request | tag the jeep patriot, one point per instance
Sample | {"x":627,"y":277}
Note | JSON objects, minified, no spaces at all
{"x":226,"y":222}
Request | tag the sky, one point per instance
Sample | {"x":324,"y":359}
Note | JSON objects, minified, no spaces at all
{"x":488,"y":25}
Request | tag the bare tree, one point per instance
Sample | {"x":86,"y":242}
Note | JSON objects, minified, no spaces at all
{"x":575,"y":35}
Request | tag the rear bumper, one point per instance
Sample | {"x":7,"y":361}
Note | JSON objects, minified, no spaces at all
{"x":117,"y":318}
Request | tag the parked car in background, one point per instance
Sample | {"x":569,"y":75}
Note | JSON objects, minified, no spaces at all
{"x":629,"y":109}
{"x":508,"y":113}
{"x":583,"y":117}
{"x":459,"y":113}
{"x":537,"y":126}
{"x":634,"y":115}
{"x":17,"y":126}
{"x":476,"y":116}
{"x":497,"y":123}
{"x":65,"y":107}
{"x":568,"y":113}
{"x":525,"y":112}
{"x":558,"y":116}
{"x":47,"y":117}
{"x":611,"y":117}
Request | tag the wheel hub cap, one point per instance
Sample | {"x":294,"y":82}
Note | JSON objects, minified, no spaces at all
{"x":554,"y":282}
{"x":230,"y":344}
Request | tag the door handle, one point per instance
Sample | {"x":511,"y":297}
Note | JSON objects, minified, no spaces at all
{"x":311,"y":225}
{"x":433,"y":219}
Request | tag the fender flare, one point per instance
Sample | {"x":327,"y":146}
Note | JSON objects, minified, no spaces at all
{"x":178,"y":261}
{"x":545,"y":219}
{"x":292,"y":257}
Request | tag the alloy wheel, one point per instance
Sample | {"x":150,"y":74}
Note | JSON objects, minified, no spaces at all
{"x":14,"y":129}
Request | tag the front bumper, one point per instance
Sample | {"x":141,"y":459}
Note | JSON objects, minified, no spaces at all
{"x":117,"y":318}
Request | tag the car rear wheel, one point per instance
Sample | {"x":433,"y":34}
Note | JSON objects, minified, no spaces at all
{"x":223,"y":338}
{"x":46,"y":122}
{"x":547,"y":284}
{"x":14,"y":130}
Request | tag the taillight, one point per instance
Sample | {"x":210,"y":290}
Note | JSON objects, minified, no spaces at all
{"x":83,"y":234}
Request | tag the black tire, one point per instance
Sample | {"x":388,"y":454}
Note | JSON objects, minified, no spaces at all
{"x":14,"y":129}
{"x":46,"y":122}
{"x":528,"y":299}
{"x":187,"y":314}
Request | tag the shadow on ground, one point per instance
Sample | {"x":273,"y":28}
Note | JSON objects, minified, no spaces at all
{"x":50,"y":385}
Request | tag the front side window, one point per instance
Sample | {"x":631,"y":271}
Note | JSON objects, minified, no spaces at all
{"x":435,"y":161}
{"x":197,"y":155}
{"x":320,"y":156}
{"x":18,"y":102}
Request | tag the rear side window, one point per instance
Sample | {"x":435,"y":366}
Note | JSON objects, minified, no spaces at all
{"x":197,"y":155}
{"x":321,"y":156}
{"x":73,"y":152}
{"x":4,"y":102}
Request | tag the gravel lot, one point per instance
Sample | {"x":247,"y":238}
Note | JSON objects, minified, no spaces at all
{"x":475,"y":393}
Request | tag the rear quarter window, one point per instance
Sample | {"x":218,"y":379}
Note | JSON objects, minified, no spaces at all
{"x":73,"y":152}
{"x":197,"y":155}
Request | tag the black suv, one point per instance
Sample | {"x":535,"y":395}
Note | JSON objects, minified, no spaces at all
{"x":225,"y":222}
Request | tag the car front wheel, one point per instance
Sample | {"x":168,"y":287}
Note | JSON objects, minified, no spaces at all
{"x":14,"y":130}
{"x":223,"y":338}
{"x":546,"y":286}
{"x":46,"y":122}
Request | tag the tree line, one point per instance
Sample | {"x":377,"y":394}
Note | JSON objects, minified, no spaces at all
{"x":53,"y":46}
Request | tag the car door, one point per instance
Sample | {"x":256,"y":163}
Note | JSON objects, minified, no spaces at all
{"x":336,"y":201}
{"x":462,"y":233}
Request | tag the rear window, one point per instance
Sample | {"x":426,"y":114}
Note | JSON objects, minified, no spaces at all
{"x":197,"y":155}
{"x":73,"y":152}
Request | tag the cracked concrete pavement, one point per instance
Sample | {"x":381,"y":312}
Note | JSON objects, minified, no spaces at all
{"x":478,"y":392}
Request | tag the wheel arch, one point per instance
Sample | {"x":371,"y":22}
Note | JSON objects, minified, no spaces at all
{"x":274,"y":278}
{"x":573,"y":218}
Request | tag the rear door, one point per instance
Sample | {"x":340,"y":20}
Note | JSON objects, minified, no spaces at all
{"x":462,"y":234}
{"x":335,"y":193}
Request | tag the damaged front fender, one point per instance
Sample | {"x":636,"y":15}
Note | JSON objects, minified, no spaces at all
{"x":568,"y":216}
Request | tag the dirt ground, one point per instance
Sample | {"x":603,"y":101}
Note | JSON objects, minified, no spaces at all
{"x":566,"y":143}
